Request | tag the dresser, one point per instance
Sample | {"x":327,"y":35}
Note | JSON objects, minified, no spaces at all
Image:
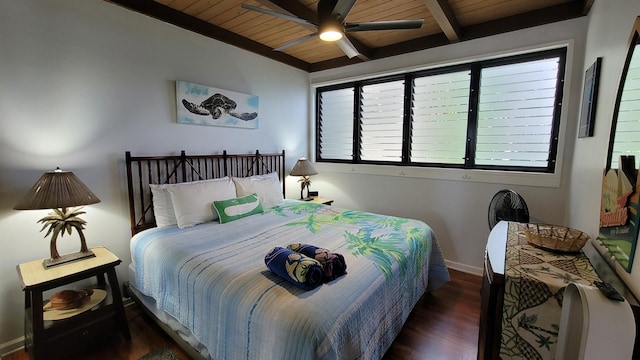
{"x":492,"y":293}
{"x":499,"y":262}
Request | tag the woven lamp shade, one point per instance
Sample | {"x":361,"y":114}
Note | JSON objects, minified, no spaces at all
{"x":303,"y":168}
{"x":57,"y":189}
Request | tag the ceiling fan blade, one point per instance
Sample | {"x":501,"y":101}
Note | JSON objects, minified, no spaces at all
{"x":295,"y":42}
{"x":342,"y":8}
{"x":277,"y":14}
{"x":334,"y":9}
{"x":384,"y":25}
{"x":347,"y":47}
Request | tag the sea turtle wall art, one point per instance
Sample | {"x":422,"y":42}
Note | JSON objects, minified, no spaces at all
{"x":204,"y":105}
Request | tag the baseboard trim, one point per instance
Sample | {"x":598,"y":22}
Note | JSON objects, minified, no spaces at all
{"x":11,"y":346}
{"x":464,"y":268}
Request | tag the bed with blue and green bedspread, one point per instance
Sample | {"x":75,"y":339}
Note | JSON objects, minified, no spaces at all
{"x":211,"y":281}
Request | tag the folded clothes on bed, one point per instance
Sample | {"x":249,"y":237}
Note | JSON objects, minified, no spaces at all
{"x":332,"y":263}
{"x":296,"y":268}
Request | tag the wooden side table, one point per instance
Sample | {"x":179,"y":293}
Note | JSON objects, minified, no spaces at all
{"x":52,"y":339}
{"x":319,"y":200}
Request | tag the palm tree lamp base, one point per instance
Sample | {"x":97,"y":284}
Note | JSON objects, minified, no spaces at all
{"x":65,"y":194}
{"x":67,"y":258}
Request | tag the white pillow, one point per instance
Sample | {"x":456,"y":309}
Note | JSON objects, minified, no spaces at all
{"x":162,"y":205}
{"x":192,"y":201}
{"x":267,"y":187}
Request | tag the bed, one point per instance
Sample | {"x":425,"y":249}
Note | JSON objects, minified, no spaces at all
{"x":206,"y":282}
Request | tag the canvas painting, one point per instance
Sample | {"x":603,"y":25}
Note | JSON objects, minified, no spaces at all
{"x":204,"y":105}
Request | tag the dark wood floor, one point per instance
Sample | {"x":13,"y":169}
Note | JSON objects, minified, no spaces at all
{"x":444,"y":325}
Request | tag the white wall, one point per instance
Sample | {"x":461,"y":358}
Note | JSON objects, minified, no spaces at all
{"x":610,"y":24}
{"x":456,"y":208}
{"x":83,"y":81}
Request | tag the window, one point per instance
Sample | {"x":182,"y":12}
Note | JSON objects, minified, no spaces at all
{"x":440,"y":114}
{"x":336,"y":108}
{"x":501,"y":114}
{"x":381,"y":120}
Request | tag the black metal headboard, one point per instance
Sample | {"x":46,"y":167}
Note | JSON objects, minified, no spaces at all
{"x":145,"y":170}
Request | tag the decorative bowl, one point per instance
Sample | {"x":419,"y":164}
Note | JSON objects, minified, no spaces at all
{"x":555,"y":238}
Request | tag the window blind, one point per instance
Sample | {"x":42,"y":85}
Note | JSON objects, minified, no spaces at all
{"x":516,"y":113}
{"x":381,"y":121}
{"x":335,"y":131}
{"x":439,"y":118}
{"x":499,"y":114}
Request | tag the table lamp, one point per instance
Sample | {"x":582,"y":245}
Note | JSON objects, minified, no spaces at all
{"x":304,"y":168}
{"x":63,"y":192}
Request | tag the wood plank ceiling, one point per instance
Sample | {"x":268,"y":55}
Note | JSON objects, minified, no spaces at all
{"x":445,"y":22}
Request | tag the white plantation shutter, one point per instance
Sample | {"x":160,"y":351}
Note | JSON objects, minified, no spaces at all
{"x":627,"y":137}
{"x":440,"y":115}
{"x":515,"y":114}
{"x":335,"y":108}
{"x":381,"y":121}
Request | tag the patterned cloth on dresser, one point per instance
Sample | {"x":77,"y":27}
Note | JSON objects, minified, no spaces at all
{"x":535,"y":280}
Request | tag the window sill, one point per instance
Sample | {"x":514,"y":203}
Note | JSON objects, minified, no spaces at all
{"x":478,"y":176}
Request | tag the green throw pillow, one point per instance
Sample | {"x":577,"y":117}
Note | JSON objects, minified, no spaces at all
{"x":237,"y":208}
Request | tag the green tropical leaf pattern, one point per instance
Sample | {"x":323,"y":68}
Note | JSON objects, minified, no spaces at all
{"x":380,"y":238}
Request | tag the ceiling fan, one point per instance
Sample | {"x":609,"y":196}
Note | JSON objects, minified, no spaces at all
{"x":331,"y":26}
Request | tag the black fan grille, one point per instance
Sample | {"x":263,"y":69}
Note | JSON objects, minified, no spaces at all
{"x":507,"y":205}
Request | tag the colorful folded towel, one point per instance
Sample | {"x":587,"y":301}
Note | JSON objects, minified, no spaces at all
{"x":296,"y":268}
{"x":332,"y":263}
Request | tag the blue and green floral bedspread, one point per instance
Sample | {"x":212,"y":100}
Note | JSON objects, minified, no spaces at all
{"x":212,"y":278}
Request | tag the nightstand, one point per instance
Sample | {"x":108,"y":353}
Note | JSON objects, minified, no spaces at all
{"x":53,"y":339}
{"x":319,"y":200}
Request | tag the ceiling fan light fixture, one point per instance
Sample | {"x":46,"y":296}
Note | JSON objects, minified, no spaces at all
{"x":331,"y":31}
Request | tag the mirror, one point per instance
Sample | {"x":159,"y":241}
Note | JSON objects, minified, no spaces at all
{"x":625,"y":128}
{"x":620,"y":202}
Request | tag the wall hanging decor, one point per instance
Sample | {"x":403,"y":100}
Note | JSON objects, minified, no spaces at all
{"x":589,"y":99}
{"x":204,"y":105}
